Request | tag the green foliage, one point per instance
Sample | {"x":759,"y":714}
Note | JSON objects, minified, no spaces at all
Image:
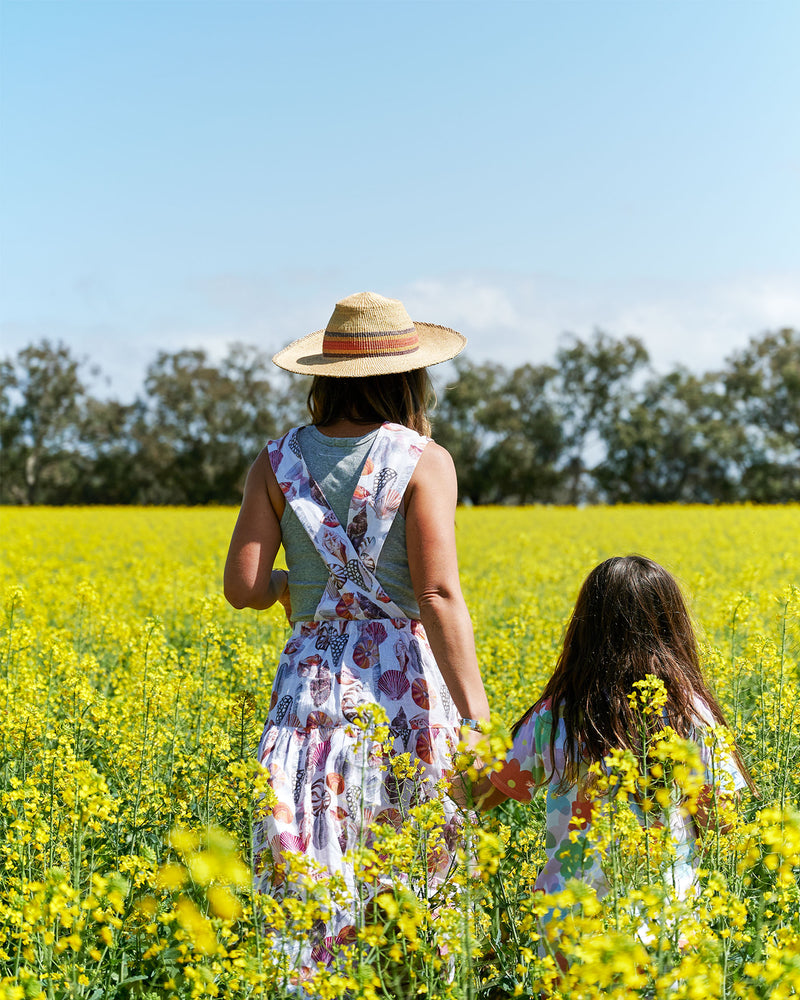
{"x":597,"y":425}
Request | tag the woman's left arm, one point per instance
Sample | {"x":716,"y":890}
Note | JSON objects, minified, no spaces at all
{"x":250,"y":581}
{"x":715,"y":810}
{"x":485,"y":795}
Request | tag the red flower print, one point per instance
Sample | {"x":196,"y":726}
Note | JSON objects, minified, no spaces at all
{"x":582,"y":809}
{"x":515,"y":782}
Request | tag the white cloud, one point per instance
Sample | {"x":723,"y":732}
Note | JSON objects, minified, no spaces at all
{"x":509,"y":318}
{"x":515,"y":318}
{"x":467,"y":301}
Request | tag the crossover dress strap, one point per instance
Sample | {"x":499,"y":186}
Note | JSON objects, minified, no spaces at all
{"x":353,"y":591}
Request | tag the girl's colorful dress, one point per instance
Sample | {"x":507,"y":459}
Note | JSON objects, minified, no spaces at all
{"x":530,"y":764}
{"x":332,"y":779}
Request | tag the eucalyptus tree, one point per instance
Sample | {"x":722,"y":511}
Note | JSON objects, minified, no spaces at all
{"x":676,"y":443}
{"x":205,"y":423}
{"x":762,"y":382}
{"x":42,"y":398}
{"x":596,"y":389}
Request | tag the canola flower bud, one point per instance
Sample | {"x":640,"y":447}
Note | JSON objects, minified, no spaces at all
{"x":223,"y":903}
{"x":172,"y":877}
{"x":649,"y":695}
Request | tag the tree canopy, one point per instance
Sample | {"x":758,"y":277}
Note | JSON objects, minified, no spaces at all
{"x":597,"y":425}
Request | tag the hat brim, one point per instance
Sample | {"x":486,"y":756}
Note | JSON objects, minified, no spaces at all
{"x":436,"y":344}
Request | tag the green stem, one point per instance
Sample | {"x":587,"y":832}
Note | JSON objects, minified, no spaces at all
{"x":140,"y":780}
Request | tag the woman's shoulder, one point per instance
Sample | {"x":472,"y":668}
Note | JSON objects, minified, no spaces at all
{"x":434,"y":479}
{"x":275,"y":448}
{"x":279,"y":438}
{"x":406,"y":436}
{"x":436,"y":457}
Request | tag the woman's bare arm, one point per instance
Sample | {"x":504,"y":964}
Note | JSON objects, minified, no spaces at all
{"x":714,"y":810}
{"x":431,"y":541}
{"x":485,"y":795}
{"x":250,"y":581}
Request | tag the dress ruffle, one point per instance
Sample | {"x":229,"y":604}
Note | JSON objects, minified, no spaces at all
{"x":334,"y":781}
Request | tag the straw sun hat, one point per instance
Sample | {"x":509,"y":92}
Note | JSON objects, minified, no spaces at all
{"x":370,"y":335}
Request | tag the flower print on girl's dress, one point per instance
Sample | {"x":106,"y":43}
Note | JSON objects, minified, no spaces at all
{"x":582,"y":810}
{"x":515,"y":781}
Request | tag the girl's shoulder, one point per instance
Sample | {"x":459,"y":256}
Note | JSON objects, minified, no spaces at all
{"x":545,"y":711}
{"x":537,"y":719}
{"x":702,"y":712}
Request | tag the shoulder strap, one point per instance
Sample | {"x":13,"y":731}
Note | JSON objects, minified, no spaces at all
{"x":381,"y":486}
{"x":353,"y":592}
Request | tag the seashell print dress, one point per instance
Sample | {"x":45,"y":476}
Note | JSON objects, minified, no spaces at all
{"x":361,"y":649}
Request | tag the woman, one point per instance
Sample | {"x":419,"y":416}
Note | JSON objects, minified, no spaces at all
{"x":363,"y":503}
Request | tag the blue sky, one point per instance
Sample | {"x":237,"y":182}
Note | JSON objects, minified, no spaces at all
{"x":195,"y":172}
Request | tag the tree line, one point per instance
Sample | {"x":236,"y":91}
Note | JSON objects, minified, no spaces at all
{"x":599,"y":424}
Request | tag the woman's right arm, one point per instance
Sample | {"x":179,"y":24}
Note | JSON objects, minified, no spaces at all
{"x":430,"y":503}
{"x":249,"y":580}
{"x":715,"y":812}
{"x":485,"y":795}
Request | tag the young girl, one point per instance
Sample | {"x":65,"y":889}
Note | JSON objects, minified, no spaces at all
{"x":630,"y":621}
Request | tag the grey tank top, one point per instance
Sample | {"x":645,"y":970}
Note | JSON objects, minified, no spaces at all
{"x":336,"y":464}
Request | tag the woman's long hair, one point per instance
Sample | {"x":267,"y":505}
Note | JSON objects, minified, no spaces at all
{"x":400,"y":398}
{"x":630,"y":621}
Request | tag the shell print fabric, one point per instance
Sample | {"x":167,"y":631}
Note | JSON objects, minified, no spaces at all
{"x":331,"y":778}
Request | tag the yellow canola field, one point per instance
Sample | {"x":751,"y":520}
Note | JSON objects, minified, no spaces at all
{"x":133,"y":699}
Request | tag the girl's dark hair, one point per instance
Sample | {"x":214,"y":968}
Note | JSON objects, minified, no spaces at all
{"x":630,"y":621}
{"x":400,"y":398}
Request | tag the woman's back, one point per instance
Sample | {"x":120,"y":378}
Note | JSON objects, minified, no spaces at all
{"x":336,"y":463}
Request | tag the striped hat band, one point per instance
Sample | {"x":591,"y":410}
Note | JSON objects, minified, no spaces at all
{"x":370,"y":343}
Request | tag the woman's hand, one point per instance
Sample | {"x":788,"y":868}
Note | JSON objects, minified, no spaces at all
{"x":480,"y":794}
{"x":714,"y":811}
{"x":284,"y":597}
{"x":485,"y":795}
